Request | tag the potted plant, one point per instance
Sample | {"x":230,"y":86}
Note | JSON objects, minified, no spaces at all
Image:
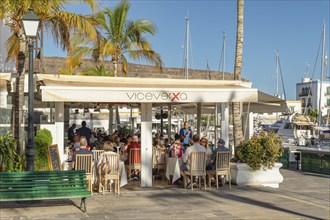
{"x":257,"y":161}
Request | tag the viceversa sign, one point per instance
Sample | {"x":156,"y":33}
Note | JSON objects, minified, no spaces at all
{"x":157,"y":96}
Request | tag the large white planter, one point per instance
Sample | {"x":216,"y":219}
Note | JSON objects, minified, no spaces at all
{"x":242,"y":174}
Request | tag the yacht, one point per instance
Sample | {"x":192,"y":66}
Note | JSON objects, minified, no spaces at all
{"x":295,"y":129}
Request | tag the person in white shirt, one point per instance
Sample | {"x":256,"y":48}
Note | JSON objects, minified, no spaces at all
{"x":196,"y":147}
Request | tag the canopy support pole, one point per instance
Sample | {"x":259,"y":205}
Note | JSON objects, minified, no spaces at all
{"x":199,"y":117}
{"x":59,"y":127}
{"x":225,"y":122}
{"x":146,"y":144}
{"x":169,"y":123}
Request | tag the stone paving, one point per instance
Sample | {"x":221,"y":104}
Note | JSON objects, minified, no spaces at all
{"x":300,"y":196}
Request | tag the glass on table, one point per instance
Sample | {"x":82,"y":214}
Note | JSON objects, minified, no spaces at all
{"x":118,"y":147}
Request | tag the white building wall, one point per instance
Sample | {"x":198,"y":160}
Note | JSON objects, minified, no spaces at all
{"x":316,"y":92}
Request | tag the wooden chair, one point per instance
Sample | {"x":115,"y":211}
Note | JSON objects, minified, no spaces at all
{"x":134,"y":161}
{"x":97,"y":154}
{"x":222,"y":168}
{"x":111,"y":172}
{"x":85,"y":162}
{"x":197,"y":168}
{"x":159,"y":160}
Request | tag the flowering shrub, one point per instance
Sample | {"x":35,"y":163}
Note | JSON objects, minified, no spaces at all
{"x":261,"y":150}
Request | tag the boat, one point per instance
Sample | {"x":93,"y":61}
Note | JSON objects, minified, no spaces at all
{"x":295,"y":129}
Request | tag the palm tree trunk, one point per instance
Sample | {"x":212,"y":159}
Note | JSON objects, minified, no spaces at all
{"x":17,"y":108}
{"x":115,"y":66}
{"x":238,"y":131}
{"x":18,"y":101}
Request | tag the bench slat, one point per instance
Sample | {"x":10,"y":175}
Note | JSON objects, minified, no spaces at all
{"x":73,"y":191}
{"x":42,"y":183}
{"x":45,"y":188}
{"x":41,"y":173}
{"x":34,"y":176}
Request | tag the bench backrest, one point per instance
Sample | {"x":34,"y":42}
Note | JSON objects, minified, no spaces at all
{"x":15,"y":186}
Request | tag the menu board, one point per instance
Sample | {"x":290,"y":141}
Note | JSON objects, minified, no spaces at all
{"x":54,"y":160}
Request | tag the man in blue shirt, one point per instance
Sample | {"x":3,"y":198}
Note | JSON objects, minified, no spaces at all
{"x":84,"y":131}
{"x":220,"y":147}
{"x":185,"y":134}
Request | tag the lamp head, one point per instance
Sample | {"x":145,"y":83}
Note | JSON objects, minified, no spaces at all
{"x":30,"y":24}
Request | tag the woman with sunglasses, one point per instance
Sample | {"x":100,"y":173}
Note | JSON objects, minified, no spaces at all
{"x":203,"y":141}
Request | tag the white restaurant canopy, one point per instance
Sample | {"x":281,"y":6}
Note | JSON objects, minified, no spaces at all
{"x":146,"y":91}
{"x":265,"y":104}
{"x":66,"y":88}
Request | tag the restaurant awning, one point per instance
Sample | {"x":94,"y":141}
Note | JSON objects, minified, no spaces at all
{"x":66,"y":88}
{"x":266,"y":104}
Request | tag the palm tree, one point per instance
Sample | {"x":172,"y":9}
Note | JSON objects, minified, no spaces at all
{"x":118,"y":37}
{"x":238,"y":131}
{"x":313,"y":114}
{"x":58,"y":23}
{"x":97,"y":71}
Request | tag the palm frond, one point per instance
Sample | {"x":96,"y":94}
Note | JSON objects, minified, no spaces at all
{"x":77,"y":22}
{"x":147,"y":55}
{"x":12,"y":46}
{"x":92,"y":4}
{"x":124,"y":65}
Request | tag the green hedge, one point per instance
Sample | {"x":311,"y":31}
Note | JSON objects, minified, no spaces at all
{"x":42,"y":140}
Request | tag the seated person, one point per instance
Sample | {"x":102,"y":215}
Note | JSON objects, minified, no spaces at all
{"x":203,"y":142}
{"x":101,"y":163}
{"x":76,"y":142}
{"x":117,"y":144}
{"x":133,"y":144}
{"x":196,"y":147}
{"x":220,"y":147}
{"x":137,"y":159}
{"x":108,"y":149}
{"x":176,"y":150}
{"x":82,"y":150}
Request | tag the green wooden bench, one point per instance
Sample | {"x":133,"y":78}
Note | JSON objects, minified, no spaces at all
{"x":19,"y":186}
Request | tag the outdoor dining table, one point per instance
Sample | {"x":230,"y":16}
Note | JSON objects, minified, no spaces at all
{"x":173,"y":168}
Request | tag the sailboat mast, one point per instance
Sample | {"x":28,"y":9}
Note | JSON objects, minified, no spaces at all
{"x":276,"y":94}
{"x":321,"y":79}
{"x":224,"y":55}
{"x":187,"y":49}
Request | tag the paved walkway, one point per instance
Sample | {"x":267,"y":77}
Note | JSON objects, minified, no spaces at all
{"x":300,"y":196}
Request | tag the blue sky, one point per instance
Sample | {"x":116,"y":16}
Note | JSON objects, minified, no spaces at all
{"x":293,"y":27}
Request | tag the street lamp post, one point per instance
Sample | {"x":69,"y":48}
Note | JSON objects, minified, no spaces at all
{"x":30,"y":24}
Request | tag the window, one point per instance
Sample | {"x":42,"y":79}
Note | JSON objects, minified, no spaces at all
{"x":288,"y":126}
